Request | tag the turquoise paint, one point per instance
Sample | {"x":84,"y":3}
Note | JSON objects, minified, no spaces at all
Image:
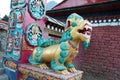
{"x":63,"y":46}
{"x":47,"y":42}
{"x":54,"y":66}
{"x":21,"y":3}
{"x":86,"y":44}
{"x":15,"y":32}
{"x":66,"y":36}
{"x":39,"y":48}
{"x":78,"y":17}
{"x":74,"y":24}
{"x":61,"y":60}
{"x":69,"y":65}
{"x":37,"y":54}
{"x":35,"y":11}
{"x":33,"y":61}
{"x":37,"y":59}
{"x":64,"y":54}
{"x":39,"y":51}
{"x":40,"y":41}
{"x":70,"y":17}
{"x":75,"y":16}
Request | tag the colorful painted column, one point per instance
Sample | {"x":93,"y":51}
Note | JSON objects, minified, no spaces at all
{"x":14,"y":40}
{"x":26,"y":25}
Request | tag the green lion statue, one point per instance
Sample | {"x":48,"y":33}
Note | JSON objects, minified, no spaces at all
{"x":60,"y":56}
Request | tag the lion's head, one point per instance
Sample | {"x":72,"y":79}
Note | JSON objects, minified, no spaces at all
{"x":77,"y":29}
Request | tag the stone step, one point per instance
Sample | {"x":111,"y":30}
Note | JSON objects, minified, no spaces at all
{"x":46,"y":74}
{"x":3,"y":77}
{"x":1,"y":71}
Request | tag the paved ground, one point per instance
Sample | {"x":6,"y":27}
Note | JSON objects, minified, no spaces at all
{"x":88,"y":76}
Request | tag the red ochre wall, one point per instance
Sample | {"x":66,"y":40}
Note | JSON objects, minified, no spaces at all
{"x":102,"y":57}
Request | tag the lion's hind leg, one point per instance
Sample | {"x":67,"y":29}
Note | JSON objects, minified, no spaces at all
{"x":37,"y":63}
{"x":36,"y":58}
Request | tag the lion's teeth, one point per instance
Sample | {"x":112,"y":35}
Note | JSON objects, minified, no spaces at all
{"x":88,"y":27}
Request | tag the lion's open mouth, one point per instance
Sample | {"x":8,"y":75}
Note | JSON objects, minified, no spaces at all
{"x":86,"y":31}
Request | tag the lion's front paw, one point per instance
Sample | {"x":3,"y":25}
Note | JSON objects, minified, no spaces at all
{"x":43,"y":66}
{"x":63,"y":72}
{"x":71,"y":70}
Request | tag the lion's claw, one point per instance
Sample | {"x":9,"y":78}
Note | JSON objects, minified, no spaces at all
{"x":43,"y":66}
{"x":63,"y":72}
{"x":71,"y":70}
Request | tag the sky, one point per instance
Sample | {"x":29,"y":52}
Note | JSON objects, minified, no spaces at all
{"x":58,"y":1}
{"x":5,"y":6}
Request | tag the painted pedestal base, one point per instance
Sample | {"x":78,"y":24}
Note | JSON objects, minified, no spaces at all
{"x":29,"y":71}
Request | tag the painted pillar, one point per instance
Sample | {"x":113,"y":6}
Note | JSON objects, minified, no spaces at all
{"x":26,"y":25}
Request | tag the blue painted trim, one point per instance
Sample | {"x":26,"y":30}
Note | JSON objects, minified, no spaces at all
{"x":12,"y":74}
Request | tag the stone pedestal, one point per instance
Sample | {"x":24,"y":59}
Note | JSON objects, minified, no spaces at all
{"x":29,"y":71}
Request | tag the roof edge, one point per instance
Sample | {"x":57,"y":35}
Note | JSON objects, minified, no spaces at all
{"x":59,"y":3}
{"x":85,"y":6}
{"x":2,"y":21}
